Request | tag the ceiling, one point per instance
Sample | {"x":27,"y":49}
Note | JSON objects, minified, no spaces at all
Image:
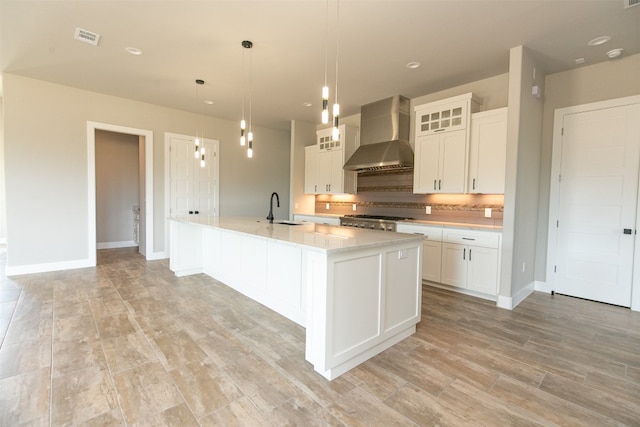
{"x":455,"y":41}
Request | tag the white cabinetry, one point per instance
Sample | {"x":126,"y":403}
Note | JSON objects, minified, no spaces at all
{"x":318,"y":219}
{"x":470,"y":260}
{"x":442,"y":144}
{"x":441,"y":160}
{"x":311,"y":153}
{"x":323,"y":164}
{"x":488,"y":150}
{"x":431,"y":248}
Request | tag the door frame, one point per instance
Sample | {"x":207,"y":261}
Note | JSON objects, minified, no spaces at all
{"x":167,"y":176}
{"x":554,"y":193}
{"x":147,"y":215}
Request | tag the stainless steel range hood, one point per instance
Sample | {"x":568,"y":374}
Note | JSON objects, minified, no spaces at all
{"x":384,"y":137}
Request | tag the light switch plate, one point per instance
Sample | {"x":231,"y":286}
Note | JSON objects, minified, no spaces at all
{"x":354,"y":207}
{"x":326,"y":206}
{"x":487,"y":212}
{"x":427,"y":210}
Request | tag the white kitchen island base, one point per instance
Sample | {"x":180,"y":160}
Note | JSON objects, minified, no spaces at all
{"x":356,"y":292}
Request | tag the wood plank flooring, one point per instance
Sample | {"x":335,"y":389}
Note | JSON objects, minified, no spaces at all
{"x":128,"y":343}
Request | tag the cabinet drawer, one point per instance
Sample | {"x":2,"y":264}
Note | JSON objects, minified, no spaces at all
{"x":486,"y":239}
{"x":429,"y":233}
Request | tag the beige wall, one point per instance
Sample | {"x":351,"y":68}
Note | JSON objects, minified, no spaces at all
{"x":117,"y":186}
{"x":608,"y":80}
{"x":3,"y":204}
{"x":46,"y":165}
{"x":522,"y":176}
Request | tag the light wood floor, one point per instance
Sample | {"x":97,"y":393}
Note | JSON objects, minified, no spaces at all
{"x":127,"y":343}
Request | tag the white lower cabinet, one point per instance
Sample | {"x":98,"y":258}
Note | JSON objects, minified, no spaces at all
{"x":318,"y":219}
{"x":468,"y":260}
{"x":431,"y":248}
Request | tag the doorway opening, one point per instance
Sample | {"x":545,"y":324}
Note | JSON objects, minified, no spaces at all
{"x":144,"y":214}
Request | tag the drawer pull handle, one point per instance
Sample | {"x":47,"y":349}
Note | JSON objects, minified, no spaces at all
{"x":468,"y":238}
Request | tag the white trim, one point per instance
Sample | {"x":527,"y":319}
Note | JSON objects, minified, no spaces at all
{"x":113,"y":245}
{"x":543,"y":287}
{"x":554,"y":190}
{"x":91,"y":181}
{"x":46,"y":267}
{"x":510,"y":303}
{"x":167,"y":184}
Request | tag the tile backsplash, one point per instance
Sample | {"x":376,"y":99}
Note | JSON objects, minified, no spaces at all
{"x":391,"y":194}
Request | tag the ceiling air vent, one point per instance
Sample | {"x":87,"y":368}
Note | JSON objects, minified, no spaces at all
{"x":630,"y":3}
{"x":87,"y":36}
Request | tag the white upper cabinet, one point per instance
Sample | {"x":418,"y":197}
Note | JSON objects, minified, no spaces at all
{"x":311,"y":181}
{"x":487,"y":153}
{"x":446,"y":115}
{"x":442,"y":145}
{"x":324,"y":162}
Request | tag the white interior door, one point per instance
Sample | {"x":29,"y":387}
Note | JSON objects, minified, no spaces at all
{"x":193,"y":188}
{"x":597,"y":202}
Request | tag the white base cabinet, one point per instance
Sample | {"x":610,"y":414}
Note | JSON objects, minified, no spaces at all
{"x":358,"y":296}
{"x":466,"y":260}
{"x":431,"y":248}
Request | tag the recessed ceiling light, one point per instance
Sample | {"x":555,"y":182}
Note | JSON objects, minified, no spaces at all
{"x":614,"y":53}
{"x":208,"y":102}
{"x":307,"y":104}
{"x":580,"y":61}
{"x":413,"y":65}
{"x":599,"y":40}
{"x":133,"y":51}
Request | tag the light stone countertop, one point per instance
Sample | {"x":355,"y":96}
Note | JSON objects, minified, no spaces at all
{"x":318,"y":237}
{"x":445,"y":224}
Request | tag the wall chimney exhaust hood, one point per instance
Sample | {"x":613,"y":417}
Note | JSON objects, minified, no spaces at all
{"x":384,"y":137}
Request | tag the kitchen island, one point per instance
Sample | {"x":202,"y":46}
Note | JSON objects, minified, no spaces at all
{"x":357,"y":292}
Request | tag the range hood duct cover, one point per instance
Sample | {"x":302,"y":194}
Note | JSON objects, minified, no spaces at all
{"x":384,"y":137}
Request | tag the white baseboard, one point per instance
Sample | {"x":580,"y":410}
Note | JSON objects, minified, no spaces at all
{"x":543,"y":287}
{"x":512,"y":302}
{"x":46,"y":267}
{"x":114,"y":245}
{"x":157,"y":255}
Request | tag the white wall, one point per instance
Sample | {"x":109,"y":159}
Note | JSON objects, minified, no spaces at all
{"x":117,"y":188}
{"x":607,"y":80}
{"x":46,"y":165}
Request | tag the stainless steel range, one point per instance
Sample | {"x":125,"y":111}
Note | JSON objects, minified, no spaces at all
{"x":371,"y":222}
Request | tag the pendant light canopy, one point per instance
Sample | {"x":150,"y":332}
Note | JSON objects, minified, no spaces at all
{"x":248,"y":139}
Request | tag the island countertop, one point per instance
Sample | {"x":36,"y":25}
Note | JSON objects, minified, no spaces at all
{"x":317,"y":237}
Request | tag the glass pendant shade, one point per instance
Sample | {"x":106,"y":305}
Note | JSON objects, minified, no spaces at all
{"x":202,"y":163}
{"x":335,"y":134}
{"x":197,"y":145}
{"x":325,"y":104}
{"x":243,"y":126}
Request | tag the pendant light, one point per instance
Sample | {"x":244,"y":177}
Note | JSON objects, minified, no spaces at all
{"x":247,"y":44}
{"x":335,"y":134}
{"x":325,"y":88}
{"x":199,"y":148}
